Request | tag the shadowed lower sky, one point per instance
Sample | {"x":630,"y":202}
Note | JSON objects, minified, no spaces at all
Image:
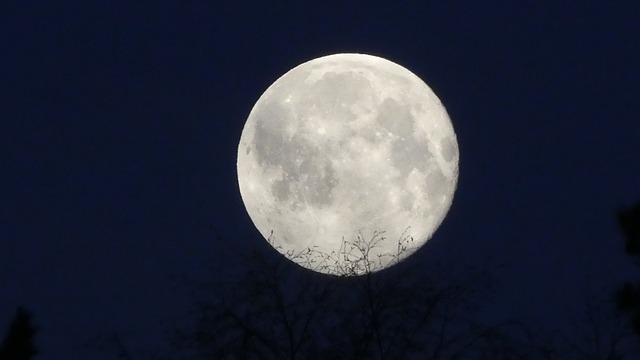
{"x":119,"y":127}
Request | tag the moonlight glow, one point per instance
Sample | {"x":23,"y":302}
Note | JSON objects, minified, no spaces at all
{"x":344,"y":154}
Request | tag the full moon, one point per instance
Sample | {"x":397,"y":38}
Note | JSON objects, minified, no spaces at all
{"x":347,"y":164}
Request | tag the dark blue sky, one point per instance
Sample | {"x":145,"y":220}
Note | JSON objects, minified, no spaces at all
{"x":119,"y":126}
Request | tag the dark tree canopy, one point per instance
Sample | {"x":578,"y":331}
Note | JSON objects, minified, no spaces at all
{"x":274,"y":309}
{"x":629,"y":220}
{"x":628,"y":297}
{"x":18,"y":344}
{"x":278,"y":310}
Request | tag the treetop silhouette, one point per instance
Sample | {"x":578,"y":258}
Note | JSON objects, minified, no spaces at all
{"x":18,"y":343}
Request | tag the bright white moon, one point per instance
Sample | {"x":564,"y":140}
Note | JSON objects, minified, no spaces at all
{"x":347,"y":164}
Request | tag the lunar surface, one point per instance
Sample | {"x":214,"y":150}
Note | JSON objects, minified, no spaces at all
{"x":347,"y":164}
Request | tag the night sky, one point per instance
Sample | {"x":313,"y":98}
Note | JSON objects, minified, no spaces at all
{"x":119,"y":127}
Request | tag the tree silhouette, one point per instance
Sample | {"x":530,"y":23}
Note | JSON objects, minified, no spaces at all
{"x":628,"y":296}
{"x":605,"y":334}
{"x":279,"y":310}
{"x":18,"y":343}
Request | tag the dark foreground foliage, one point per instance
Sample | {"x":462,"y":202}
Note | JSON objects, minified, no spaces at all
{"x":19,"y":341}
